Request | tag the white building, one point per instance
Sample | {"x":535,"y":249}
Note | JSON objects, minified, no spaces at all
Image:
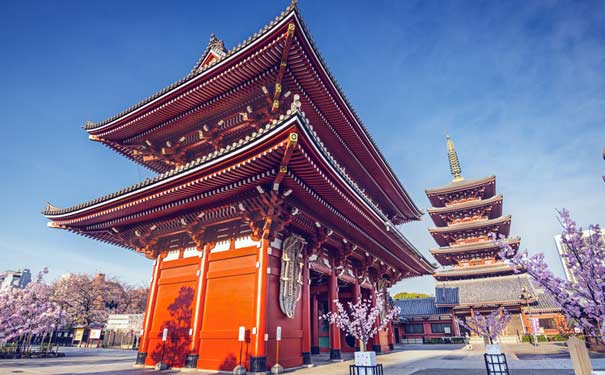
{"x":19,"y":278}
{"x":562,"y":250}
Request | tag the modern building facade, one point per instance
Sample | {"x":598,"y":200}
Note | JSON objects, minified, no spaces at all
{"x":562,"y":250}
{"x":17,"y":279}
{"x":272,"y":202}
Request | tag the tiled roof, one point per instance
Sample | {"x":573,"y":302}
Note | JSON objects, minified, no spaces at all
{"x":446,"y":296}
{"x":197,"y":69}
{"x":419,"y":306}
{"x":487,"y":290}
{"x":466,"y":205}
{"x":483,"y":245}
{"x":545,"y":303}
{"x":52,"y":210}
{"x":292,"y":9}
{"x":499,"y":267}
{"x":461,"y":185}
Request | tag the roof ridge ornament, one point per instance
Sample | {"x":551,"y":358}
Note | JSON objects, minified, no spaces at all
{"x":50,"y":208}
{"x":216,"y":45}
{"x":455,"y":168}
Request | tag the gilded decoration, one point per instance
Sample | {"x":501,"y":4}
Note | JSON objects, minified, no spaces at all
{"x":291,"y":274}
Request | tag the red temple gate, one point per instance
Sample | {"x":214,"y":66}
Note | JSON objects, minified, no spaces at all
{"x":272,"y":203}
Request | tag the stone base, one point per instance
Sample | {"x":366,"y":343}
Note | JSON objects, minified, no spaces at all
{"x":141,"y":357}
{"x":191,"y":360}
{"x":335,"y":355}
{"x":315,"y":350}
{"x":307,"y":358}
{"x":161,"y":366}
{"x":258,"y":365}
{"x":376,"y":348}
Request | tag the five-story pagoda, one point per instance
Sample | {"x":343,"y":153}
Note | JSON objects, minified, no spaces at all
{"x":272,"y":202}
{"x":474,"y":278}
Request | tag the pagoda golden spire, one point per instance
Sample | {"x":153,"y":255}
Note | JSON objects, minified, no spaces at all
{"x":454,"y":162}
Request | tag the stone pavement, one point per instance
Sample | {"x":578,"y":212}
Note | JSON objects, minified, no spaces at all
{"x":409,"y":360}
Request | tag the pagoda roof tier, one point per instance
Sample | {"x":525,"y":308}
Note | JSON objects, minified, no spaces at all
{"x":489,"y":208}
{"x":452,"y":255}
{"x":447,"y":236}
{"x":286,"y":156}
{"x":463,"y":190}
{"x":283,"y":56}
{"x":469,"y":272}
{"x":487,"y":291}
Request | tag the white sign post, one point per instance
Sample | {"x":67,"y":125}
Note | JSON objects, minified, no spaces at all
{"x":241,"y":337}
{"x":277,"y":368}
{"x":242,"y":334}
{"x":161,"y":365}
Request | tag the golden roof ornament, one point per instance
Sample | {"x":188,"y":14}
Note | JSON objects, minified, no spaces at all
{"x":455,"y":169}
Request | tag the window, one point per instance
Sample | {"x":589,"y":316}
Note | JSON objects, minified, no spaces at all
{"x":548,"y":323}
{"x":441,"y":328}
{"x":413,"y":328}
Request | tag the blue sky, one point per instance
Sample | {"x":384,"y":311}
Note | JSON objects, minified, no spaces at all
{"x":518,"y":85}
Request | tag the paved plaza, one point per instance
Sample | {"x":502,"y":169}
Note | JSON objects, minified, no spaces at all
{"x":409,"y":359}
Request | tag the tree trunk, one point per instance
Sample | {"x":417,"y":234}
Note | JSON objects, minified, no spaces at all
{"x":362,"y":346}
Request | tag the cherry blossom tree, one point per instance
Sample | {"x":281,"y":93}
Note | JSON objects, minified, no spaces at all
{"x":361,"y":320}
{"x":583,"y":298}
{"x":489,"y":326}
{"x":135,"y":300}
{"x":85,"y":300}
{"x":28,"y":312}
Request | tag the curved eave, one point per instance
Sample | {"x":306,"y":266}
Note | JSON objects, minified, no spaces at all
{"x":500,"y":225}
{"x":472,"y":225}
{"x":466,"y":205}
{"x":222,"y":156}
{"x":192,"y":167}
{"x":495,"y":202}
{"x":472,"y":272}
{"x":111,"y":205}
{"x":450,"y":255}
{"x":394,"y":189}
{"x":488,"y":182}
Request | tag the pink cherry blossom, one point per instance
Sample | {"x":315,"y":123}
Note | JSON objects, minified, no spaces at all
{"x":489,"y":326}
{"x":582,"y":298}
{"x":362,"y":320}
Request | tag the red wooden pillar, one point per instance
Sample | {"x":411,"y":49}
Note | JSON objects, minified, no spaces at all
{"x":426,"y":328}
{"x":525,"y":322}
{"x":306,"y":312}
{"x":356,"y":298}
{"x":376,"y":342}
{"x":505,"y":329}
{"x":315,"y":325}
{"x":335,"y":352}
{"x":455,"y":328}
{"x":473,"y":320}
{"x":258,"y":361}
{"x":192,"y":358}
{"x":153,"y":292}
{"x":390,"y":336}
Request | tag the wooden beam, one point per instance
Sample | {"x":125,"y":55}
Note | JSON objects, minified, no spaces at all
{"x":282,"y":68}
